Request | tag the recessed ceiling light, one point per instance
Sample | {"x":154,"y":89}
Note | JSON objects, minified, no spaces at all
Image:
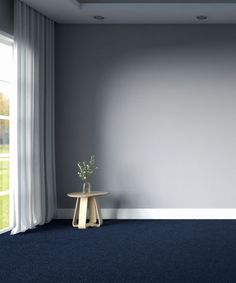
{"x":201,"y":18}
{"x":98,"y":17}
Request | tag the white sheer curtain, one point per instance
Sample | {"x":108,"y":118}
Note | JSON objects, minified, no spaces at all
{"x":35,"y":193}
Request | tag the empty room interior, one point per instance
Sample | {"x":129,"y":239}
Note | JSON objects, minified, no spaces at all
{"x":117,"y":141}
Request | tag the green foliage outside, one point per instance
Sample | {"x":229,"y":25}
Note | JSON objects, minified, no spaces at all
{"x":4,"y":104}
{"x":4,"y":186}
{"x":4,"y":161}
{"x":4,"y":212}
{"x":4,"y":169}
{"x":4,"y":149}
{"x":4,"y":175}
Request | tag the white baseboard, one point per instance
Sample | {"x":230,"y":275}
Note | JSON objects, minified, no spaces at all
{"x":123,"y":213}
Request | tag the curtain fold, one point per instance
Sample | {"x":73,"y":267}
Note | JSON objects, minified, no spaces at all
{"x":35,"y":193}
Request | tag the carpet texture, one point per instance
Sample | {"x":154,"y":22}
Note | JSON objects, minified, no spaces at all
{"x":122,"y":251}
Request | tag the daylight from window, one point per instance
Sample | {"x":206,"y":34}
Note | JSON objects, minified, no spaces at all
{"x":6,"y":75}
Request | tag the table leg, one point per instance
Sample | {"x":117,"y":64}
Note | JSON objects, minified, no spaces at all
{"x":98,"y":212}
{"x":75,"y":217}
{"x":92,"y":211}
{"x":83,"y":213}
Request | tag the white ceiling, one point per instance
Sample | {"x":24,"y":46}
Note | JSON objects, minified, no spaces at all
{"x":70,"y":12}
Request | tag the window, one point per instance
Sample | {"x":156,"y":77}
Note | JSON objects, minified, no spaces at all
{"x":6,"y":92}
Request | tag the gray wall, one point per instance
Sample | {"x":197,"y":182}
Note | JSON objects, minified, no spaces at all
{"x":156,"y":105}
{"x":6,"y":16}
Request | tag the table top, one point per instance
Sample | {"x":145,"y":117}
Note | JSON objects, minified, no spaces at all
{"x":87,"y":195}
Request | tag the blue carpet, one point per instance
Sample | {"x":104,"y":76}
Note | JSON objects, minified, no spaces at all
{"x":122,"y":251}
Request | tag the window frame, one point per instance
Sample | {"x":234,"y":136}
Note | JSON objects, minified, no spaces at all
{"x":9,"y":40}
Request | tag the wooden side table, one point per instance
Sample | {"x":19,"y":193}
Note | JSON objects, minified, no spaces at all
{"x":84,"y":201}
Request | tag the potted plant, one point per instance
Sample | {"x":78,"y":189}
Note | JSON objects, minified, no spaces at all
{"x":86,"y":169}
